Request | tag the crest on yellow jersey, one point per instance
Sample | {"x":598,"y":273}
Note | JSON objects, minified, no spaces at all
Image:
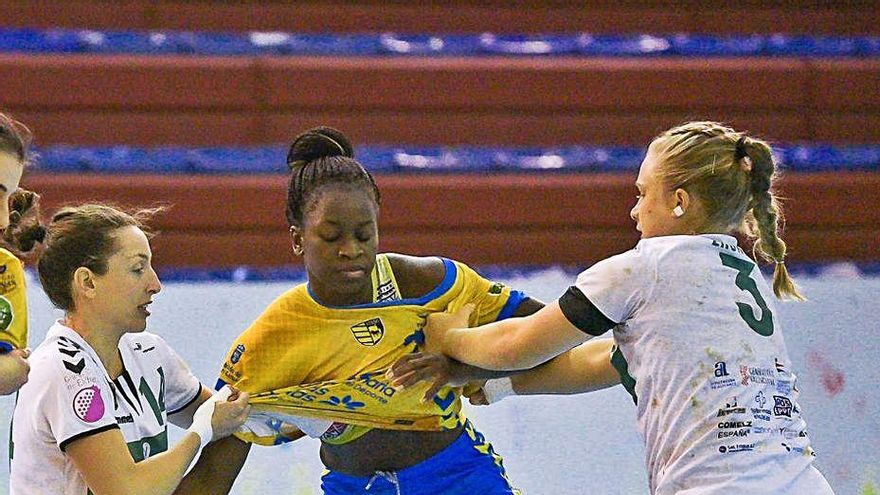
{"x":369,"y":332}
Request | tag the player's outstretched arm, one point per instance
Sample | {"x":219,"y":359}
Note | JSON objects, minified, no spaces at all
{"x":108,"y":468}
{"x":511,"y":344}
{"x":14,"y":370}
{"x":585,"y":368}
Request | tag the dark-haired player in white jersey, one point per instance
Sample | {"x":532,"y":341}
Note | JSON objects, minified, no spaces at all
{"x":699,"y":341}
{"x":93,"y":416}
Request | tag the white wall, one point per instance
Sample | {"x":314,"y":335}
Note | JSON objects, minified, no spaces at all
{"x":563,"y":445}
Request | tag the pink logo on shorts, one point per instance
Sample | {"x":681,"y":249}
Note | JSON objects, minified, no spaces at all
{"x":88,"y":405}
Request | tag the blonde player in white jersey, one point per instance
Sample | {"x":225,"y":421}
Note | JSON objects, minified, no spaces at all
{"x":93,"y":416}
{"x":699,"y":341}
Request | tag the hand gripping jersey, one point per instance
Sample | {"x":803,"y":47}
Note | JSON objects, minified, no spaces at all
{"x":13,"y":303}
{"x":69,"y":396}
{"x":700,"y":349}
{"x":301,"y":358}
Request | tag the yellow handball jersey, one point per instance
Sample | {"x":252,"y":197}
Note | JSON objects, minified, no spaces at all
{"x":13,"y":303}
{"x":301,"y":358}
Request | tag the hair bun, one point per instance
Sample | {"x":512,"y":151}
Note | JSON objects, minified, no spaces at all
{"x":316,"y":143}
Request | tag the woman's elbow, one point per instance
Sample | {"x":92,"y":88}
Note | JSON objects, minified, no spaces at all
{"x":511,"y":354}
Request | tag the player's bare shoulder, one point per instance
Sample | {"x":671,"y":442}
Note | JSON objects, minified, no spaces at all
{"x":416,"y":275}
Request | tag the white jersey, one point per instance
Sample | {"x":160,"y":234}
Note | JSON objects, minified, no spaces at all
{"x":700,"y":348}
{"x":69,"y":395}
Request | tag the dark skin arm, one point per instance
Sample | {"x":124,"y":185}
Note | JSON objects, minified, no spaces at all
{"x":422,"y":275}
{"x":217,"y":468}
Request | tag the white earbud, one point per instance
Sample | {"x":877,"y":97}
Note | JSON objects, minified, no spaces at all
{"x":678,"y":211}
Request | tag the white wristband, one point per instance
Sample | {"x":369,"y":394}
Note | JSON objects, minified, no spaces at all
{"x":201,"y":424}
{"x":497,"y":389}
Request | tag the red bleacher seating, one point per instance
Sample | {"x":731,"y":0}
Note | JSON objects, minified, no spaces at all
{"x":574,"y":219}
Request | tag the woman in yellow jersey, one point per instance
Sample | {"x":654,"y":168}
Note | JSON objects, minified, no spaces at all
{"x":18,"y":208}
{"x":315,"y":360}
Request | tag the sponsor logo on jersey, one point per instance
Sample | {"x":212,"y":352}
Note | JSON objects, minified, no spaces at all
{"x":780,"y":366}
{"x":739,"y":447}
{"x":800,"y":450}
{"x":236,"y":354}
{"x":230,"y":374}
{"x":7,"y":282}
{"x":731,"y":408}
{"x":335,"y":431}
{"x":760,"y":399}
{"x":139,"y":347}
{"x":784,"y":387}
{"x":346,"y":402}
{"x":2,"y":268}
{"x":727,"y":425}
{"x":760,"y":412}
{"x":756,"y":375}
{"x":386,"y":292}
{"x":369,"y":332}
{"x":496,"y":289}
{"x":88,"y":405}
{"x":7,"y":314}
{"x":125,"y":419}
{"x":735,"y":433}
{"x":721,"y":369}
{"x":782,"y":406}
{"x":79,"y":381}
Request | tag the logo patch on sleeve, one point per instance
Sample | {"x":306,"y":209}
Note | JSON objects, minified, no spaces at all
{"x":6,"y":314}
{"x":88,"y":404}
{"x":369,"y":332}
{"x":236,"y":354}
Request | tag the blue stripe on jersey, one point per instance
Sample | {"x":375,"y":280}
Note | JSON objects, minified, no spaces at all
{"x":516,"y":298}
{"x":5,"y":347}
{"x":220,"y":384}
{"x":445,"y":285}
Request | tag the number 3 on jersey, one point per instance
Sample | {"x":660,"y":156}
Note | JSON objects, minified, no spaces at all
{"x":745,"y":282}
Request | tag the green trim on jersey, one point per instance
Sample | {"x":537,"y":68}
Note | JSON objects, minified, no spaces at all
{"x":153,"y":445}
{"x":622,"y":367}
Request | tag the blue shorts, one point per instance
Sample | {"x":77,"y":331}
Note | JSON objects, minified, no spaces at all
{"x":468,"y":466}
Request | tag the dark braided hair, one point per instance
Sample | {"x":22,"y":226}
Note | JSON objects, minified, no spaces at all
{"x":322,"y":157}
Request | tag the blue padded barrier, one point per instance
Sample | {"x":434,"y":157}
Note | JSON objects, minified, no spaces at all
{"x":315,"y":44}
{"x":529,"y":45}
{"x":39,"y":41}
{"x":376,"y":159}
{"x":220,"y":44}
{"x":623,"y":46}
{"x":824,"y":158}
{"x":418,"y":159}
{"x":424,"y":159}
{"x":138,"y":43}
{"x":811,"y":46}
{"x":61,"y":158}
{"x":256,"y":160}
{"x":258,"y":43}
{"x":568,"y":159}
{"x":868,"y":46}
{"x":711,"y":46}
{"x":123,"y":159}
{"x":429,"y":45}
